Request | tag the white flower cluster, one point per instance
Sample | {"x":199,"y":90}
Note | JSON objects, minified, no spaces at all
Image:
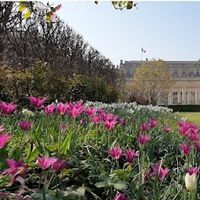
{"x":130,"y":107}
{"x":27,"y":112}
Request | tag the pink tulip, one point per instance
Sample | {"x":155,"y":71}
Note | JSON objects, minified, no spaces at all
{"x":7,"y":108}
{"x":131,"y":155}
{"x":184,"y":127}
{"x":16,"y":169}
{"x":110,"y":121}
{"x":193,"y":134}
{"x":144,"y":127}
{"x":37,"y":102}
{"x":185,"y":149}
{"x":166,"y":129}
{"x":189,"y":130}
{"x":74,"y":110}
{"x":14,"y":166}
{"x":121,"y":121}
{"x":90,"y":111}
{"x":162,"y":173}
{"x":4,"y":139}
{"x":153,"y":123}
{"x":102,"y":113}
{"x":25,"y":125}
{"x":96,"y":119}
{"x":62,"y":126}
{"x":120,"y":196}
{"x":193,"y":170}
{"x":62,"y":108}
{"x":45,"y":162}
{"x":50,"y":109}
{"x":115,"y":152}
{"x":59,"y":165}
{"x":158,"y":171}
{"x":197,"y":146}
{"x":143,"y":139}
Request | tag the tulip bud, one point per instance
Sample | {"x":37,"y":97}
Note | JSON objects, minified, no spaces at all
{"x":190,"y":182}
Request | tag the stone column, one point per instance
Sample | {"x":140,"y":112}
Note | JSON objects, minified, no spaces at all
{"x":185,"y":97}
{"x":182,"y":96}
{"x":188,"y":97}
{"x":179,"y":97}
{"x":170,"y":98}
{"x":196,"y":96}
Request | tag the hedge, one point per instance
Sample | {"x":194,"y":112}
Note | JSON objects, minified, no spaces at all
{"x":185,"y":108}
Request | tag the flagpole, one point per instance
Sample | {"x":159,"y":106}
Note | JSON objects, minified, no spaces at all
{"x":141,"y":54}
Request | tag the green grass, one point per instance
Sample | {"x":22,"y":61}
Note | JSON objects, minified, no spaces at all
{"x":191,"y":116}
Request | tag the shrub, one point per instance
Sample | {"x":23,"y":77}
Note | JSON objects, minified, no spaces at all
{"x":185,"y":108}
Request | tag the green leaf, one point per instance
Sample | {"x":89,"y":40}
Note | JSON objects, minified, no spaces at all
{"x":66,"y":172}
{"x":120,"y":185}
{"x":80,"y":191}
{"x":67,"y":143}
{"x":102,"y":184}
{"x":33,"y":155}
{"x":52,"y":147}
{"x":3,"y":157}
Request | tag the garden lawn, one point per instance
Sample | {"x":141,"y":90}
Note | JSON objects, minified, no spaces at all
{"x":191,"y":116}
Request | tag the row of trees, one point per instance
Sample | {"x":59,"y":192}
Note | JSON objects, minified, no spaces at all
{"x":42,"y":57}
{"x":56,"y":51}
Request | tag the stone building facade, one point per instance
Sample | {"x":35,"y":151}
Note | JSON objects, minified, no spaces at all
{"x":186,"y":75}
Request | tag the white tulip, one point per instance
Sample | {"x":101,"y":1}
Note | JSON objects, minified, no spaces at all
{"x":190,"y":182}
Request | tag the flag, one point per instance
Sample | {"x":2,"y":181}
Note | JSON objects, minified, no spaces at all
{"x":143,"y":51}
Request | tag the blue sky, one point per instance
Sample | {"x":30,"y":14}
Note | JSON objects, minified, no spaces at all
{"x":166,"y":30}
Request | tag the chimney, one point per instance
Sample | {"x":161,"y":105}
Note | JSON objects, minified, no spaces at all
{"x":121,"y":62}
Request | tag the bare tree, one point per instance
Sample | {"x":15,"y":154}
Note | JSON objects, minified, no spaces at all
{"x":151,"y":80}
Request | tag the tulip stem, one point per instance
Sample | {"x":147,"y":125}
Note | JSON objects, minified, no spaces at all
{"x":142,"y":170}
{"x":193,"y":195}
{"x":156,"y":190}
{"x":59,"y":144}
{"x":44,"y":185}
{"x":117,"y":164}
{"x":51,"y":179}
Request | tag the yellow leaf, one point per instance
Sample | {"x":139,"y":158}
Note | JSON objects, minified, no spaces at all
{"x":48,"y":18}
{"x":27,"y":15}
{"x":21,"y":7}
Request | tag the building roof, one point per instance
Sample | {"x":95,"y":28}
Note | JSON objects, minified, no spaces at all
{"x":170,"y":63}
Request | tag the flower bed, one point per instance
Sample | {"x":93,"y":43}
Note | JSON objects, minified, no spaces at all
{"x":96,"y":151}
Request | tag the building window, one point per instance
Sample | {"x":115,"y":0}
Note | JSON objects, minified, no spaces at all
{"x":184,"y":74}
{"x":128,"y":73}
{"x":197,"y":73}
{"x":175,"y":98}
{"x":175,"y":74}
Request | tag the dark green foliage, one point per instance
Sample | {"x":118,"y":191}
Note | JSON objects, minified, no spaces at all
{"x":185,"y":108}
